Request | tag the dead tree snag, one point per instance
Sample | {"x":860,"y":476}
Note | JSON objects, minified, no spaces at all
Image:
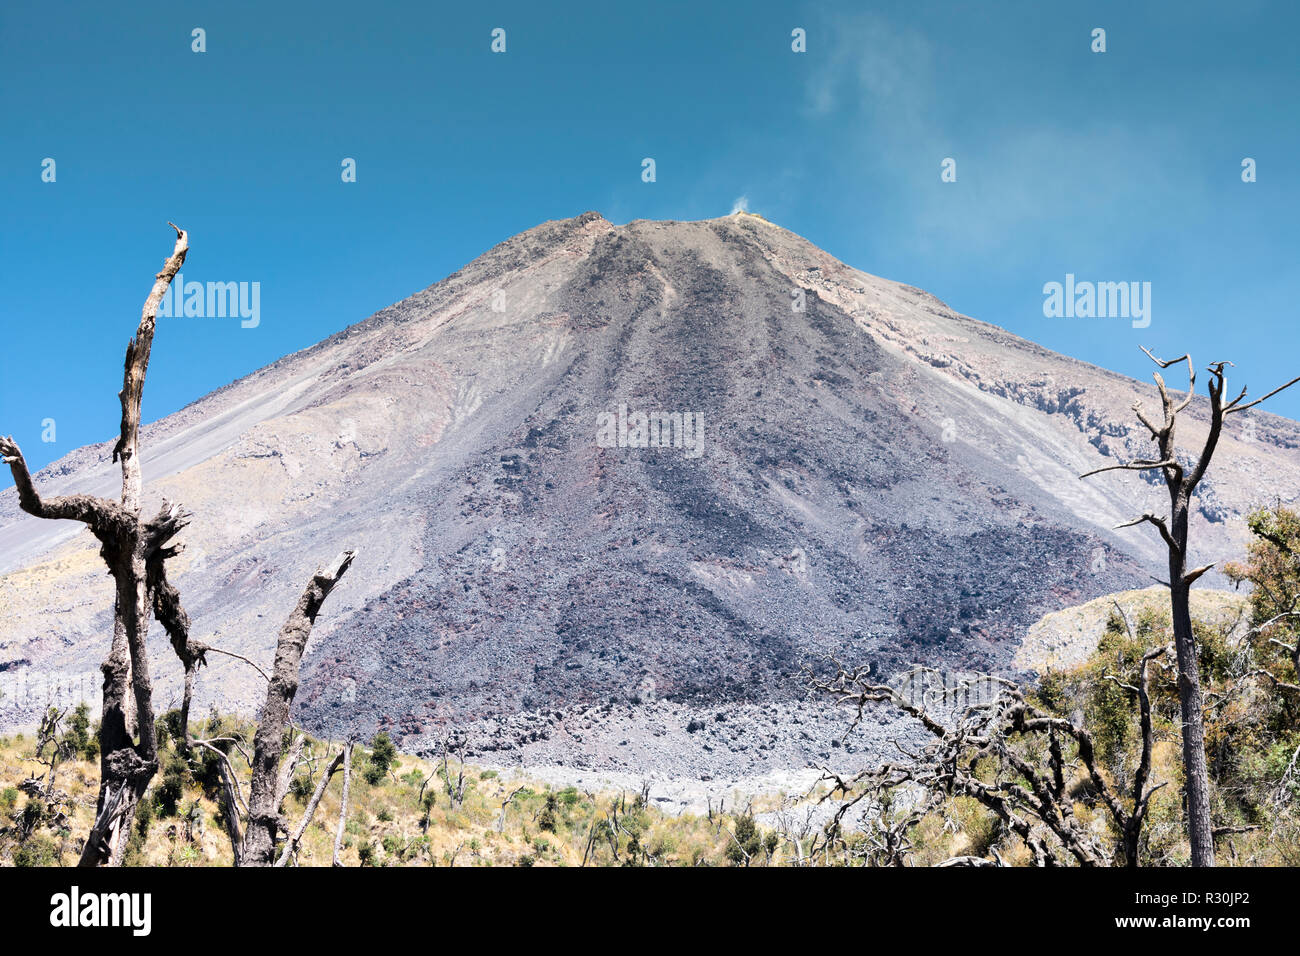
{"x":1182,"y":483}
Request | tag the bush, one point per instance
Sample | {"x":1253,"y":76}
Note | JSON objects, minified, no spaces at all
{"x":382,"y":756}
{"x":546,"y":819}
{"x":170,"y":790}
{"x":144,"y":817}
{"x":413,"y":778}
{"x":77,"y":737}
{"x":208,"y":771}
{"x":33,"y":814}
{"x":748,"y":842}
{"x":171,"y":722}
{"x":301,"y":787}
{"x":39,"y":850}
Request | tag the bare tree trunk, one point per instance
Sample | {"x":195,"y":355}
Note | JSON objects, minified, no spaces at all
{"x":1197,"y":783}
{"x":343,"y":804}
{"x":127,"y":766}
{"x":126,"y":769}
{"x":230,"y":800}
{"x":268,"y":743}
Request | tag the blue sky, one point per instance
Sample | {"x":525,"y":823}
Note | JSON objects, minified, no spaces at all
{"x":1122,"y":166}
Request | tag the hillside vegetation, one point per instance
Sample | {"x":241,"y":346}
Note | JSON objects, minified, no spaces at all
{"x":403,"y":811}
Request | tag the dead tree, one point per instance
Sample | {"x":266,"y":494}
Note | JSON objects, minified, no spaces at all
{"x":505,"y":805}
{"x":47,"y":736}
{"x":794,"y":828}
{"x":1030,"y":789}
{"x":135,"y":550}
{"x":455,"y":792}
{"x":291,"y":845}
{"x":264,"y":794}
{"x":343,"y":805}
{"x":1182,"y":483}
{"x":253,"y":825}
{"x":130,"y":546}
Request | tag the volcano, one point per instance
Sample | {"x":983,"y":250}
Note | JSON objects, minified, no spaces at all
{"x":653,"y":465}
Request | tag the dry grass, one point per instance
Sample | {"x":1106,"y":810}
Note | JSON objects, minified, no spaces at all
{"x":387,"y":823}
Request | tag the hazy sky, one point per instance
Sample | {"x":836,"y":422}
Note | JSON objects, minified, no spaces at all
{"x":1115,"y":166}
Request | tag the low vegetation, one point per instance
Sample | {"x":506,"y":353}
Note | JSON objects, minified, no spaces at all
{"x":402,"y":811}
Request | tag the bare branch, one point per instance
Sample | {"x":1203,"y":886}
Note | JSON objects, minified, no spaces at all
{"x":1234,"y":407}
{"x":171,"y":615}
{"x":291,"y":847}
{"x":240,"y":657}
{"x":1141,"y":416}
{"x":99,"y":513}
{"x":1191,"y":382}
{"x":1156,"y":520}
{"x":1165,"y":364}
{"x":231,"y":800}
{"x":1139,"y":465}
{"x":288,"y":766}
{"x":1028,"y":793}
{"x":1277,"y":681}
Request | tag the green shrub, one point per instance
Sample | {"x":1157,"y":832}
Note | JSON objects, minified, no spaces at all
{"x":144,"y":815}
{"x":383,"y":754}
{"x":546,"y":820}
{"x":77,"y":736}
{"x":33,"y":814}
{"x":748,"y":842}
{"x":170,"y":790}
{"x":40,"y":849}
{"x":171,"y":722}
{"x":301,"y":787}
{"x":413,"y":778}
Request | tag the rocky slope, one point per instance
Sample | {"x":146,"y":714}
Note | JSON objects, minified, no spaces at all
{"x":1066,"y":638}
{"x":880,"y":478}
